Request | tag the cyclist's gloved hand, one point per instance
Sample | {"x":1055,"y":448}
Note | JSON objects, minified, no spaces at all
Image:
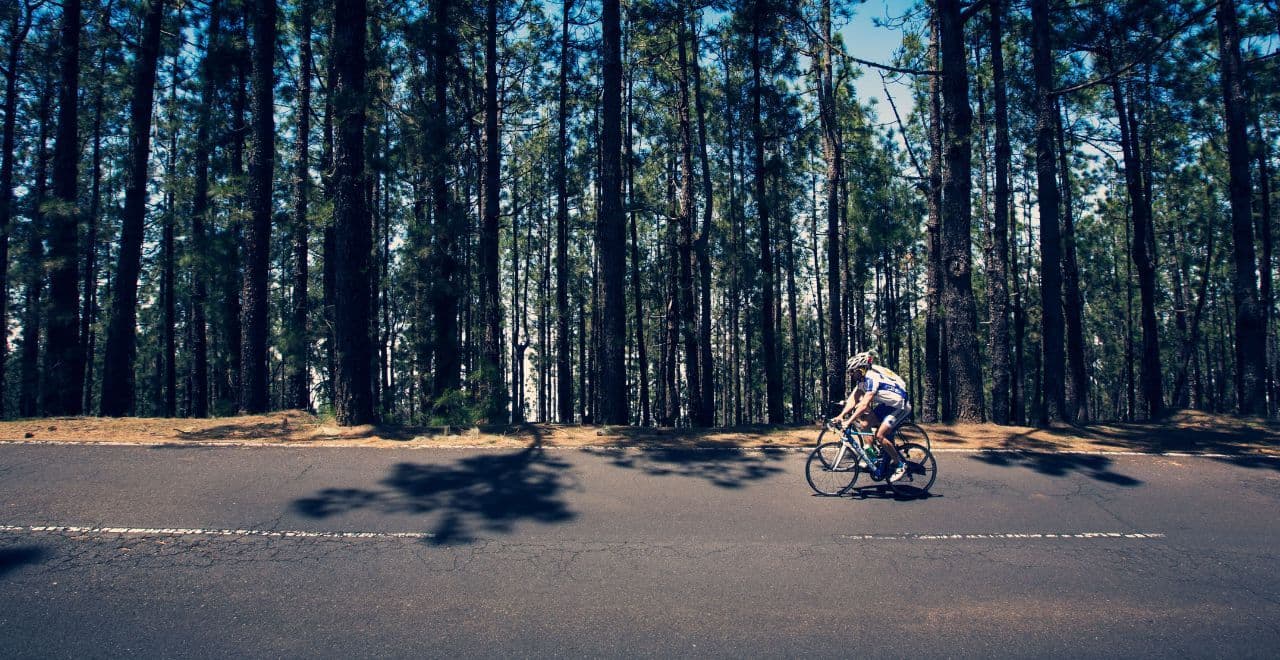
{"x":835,"y":421}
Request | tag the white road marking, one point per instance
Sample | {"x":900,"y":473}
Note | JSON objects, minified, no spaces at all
{"x":280,"y":533}
{"x":1017,"y":535}
{"x":181,"y":531}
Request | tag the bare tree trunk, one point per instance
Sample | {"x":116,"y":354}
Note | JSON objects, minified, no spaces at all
{"x":169,"y":326}
{"x":353,"y":233}
{"x":687,"y":217}
{"x":642,"y":356}
{"x":1250,"y":321}
{"x":64,"y":357}
{"x":564,"y":361}
{"x":33,"y":293}
{"x":1142,"y":250}
{"x":1078,"y":380}
{"x":298,"y":371}
{"x":257,"y":236}
{"x":444,"y":295}
{"x":933,"y":368}
{"x":702,"y":246}
{"x":957,"y":292}
{"x":8,"y":151}
{"x":611,"y":227}
{"x":1054,"y":359}
{"x":997,"y":261}
{"x":117,"y":367}
{"x":489,"y":385}
{"x":773,"y":374}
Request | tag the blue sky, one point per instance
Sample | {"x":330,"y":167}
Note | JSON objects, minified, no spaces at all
{"x":864,"y":40}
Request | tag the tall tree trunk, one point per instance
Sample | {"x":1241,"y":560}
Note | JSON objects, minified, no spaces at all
{"x":1250,"y":324}
{"x":564,"y":361}
{"x":22,"y":27}
{"x":353,"y":232}
{"x":828,"y":118}
{"x":63,"y":357}
{"x":933,"y":367}
{"x":1142,"y":251}
{"x":1078,"y":380}
{"x":168,"y":330}
{"x":229,"y":273}
{"x":797,"y":378}
{"x":199,"y":255}
{"x":444,"y":296}
{"x":702,"y":246}
{"x":611,"y":227}
{"x":957,"y":293}
{"x":772,"y":370}
{"x":257,"y":236}
{"x":642,"y":355}
{"x":33,"y":293}
{"x":1047,"y":193}
{"x":686,"y":217}
{"x":997,"y":260}
{"x":298,"y":372}
{"x":490,"y":378}
{"x":89,"y":305}
{"x":117,"y":367}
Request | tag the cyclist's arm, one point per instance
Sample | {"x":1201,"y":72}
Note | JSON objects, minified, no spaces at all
{"x":863,"y":405}
{"x":850,"y":403}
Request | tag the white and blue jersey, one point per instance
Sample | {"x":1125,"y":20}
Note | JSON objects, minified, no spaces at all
{"x":889,"y":398}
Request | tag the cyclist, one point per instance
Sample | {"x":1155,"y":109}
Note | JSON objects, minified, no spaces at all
{"x":881,"y":397}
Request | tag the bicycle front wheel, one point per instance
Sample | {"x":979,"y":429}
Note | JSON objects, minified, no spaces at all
{"x":831,"y":469}
{"x":921,"y":471}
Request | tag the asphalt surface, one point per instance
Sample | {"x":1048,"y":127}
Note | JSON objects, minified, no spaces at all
{"x":627,"y":553}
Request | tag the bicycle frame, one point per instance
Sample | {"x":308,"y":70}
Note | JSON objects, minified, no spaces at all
{"x":847,"y":443}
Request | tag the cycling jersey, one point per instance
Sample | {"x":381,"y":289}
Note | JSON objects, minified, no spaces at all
{"x":885,"y":387}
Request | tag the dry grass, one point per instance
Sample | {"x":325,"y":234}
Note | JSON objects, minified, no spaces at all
{"x":1184,"y":431}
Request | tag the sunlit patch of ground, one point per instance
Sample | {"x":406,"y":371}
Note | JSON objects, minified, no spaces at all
{"x":1189,"y":431}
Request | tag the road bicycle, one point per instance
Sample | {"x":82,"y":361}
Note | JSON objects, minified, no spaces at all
{"x":833,"y":467}
{"x":907,"y":433}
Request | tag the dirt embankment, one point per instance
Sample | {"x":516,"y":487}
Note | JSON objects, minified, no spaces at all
{"x":1182,"y":432}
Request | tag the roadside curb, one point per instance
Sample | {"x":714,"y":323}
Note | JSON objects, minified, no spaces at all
{"x":611,"y":448}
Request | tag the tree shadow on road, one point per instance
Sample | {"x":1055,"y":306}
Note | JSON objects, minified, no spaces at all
{"x":486,"y":492}
{"x":11,"y":559}
{"x":1060,"y":465}
{"x":726,"y":468}
{"x":1251,"y":461}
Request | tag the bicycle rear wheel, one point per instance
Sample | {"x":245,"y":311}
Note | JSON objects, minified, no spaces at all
{"x":922,"y":469}
{"x":825,"y":475}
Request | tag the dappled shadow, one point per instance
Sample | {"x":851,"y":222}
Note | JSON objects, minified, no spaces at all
{"x":18,"y":556}
{"x":1179,"y":431}
{"x":1252,"y":461}
{"x":723,"y":467}
{"x":293,"y":430}
{"x":487,"y":492}
{"x":1060,"y":465}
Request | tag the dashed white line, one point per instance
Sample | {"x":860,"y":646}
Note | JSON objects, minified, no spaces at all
{"x":1010,"y":535}
{"x":192,"y":531}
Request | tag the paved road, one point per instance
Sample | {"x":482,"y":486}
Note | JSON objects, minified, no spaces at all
{"x":626,"y":553}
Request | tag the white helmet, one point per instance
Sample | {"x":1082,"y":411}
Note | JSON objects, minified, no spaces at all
{"x":862,"y":360}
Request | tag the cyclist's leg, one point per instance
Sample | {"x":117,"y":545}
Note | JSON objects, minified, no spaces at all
{"x":890,"y":419}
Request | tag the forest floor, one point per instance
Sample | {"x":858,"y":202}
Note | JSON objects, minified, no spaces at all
{"x":1186,"y":431}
